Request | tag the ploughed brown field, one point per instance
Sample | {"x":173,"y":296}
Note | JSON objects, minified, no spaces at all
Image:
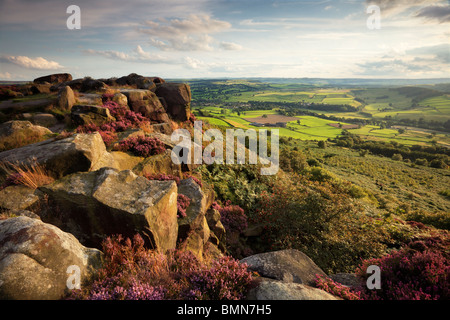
{"x":344,"y":126}
{"x":272,"y":119}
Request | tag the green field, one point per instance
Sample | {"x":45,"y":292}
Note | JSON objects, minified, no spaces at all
{"x":223,"y":103}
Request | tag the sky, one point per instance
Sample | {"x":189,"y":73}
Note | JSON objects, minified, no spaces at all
{"x":407,"y":39}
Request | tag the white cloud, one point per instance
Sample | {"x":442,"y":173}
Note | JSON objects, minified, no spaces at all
{"x":188,"y":34}
{"x":420,"y":61}
{"x":230,"y":46}
{"x":38,"y":63}
{"x":110,"y":54}
{"x":5,"y":75}
{"x":137,"y":55}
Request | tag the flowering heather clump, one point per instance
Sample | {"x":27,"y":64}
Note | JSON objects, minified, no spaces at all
{"x":131,"y":272}
{"x":108,"y":135}
{"x":125,"y":119}
{"x":162,"y":177}
{"x":142,"y":146}
{"x":232,"y":217}
{"x":227,"y":279}
{"x":337,"y":289}
{"x":183,"y":203}
{"x":420,"y":271}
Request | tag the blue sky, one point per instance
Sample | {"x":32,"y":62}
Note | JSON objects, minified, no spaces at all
{"x":226,"y":38}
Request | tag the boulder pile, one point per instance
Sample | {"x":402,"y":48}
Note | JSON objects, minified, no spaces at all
{"x":97,"y":191}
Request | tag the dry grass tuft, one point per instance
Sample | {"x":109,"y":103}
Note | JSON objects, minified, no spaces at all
{"x":32,"y":176}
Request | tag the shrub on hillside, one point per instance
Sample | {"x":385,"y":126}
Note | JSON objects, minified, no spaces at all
{"x":235,"y":221}
{"x":421,"y":162}
{"x":241,"y":184}
{"x":142,"y":146}
{"x":321,"y":220}
{"x":418,"y":271}
{"x":232,"y":217}
{"x":131,"y":272}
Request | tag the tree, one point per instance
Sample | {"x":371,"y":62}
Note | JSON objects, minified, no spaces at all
{"x":322,"y":144}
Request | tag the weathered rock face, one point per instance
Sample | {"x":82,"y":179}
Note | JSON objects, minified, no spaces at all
{"x":19,"y":198}
{"x":16,"y":127}
{"x":98,"y":204}
{"x":177,"y":99}
{"x":146,"y":103}
{"x":34,"y":259}
{"x":164,"y":128}
{"x":40,"y":88}
{"x":140,"y":82}
{"x":218,"y":236}
{"x":286,"y":265}
{"x":44,"y":119}
{"x":194,"y":229}
{"x":268,"y":289}
{"x":85,"y":114}
{"x":54,"y":78}
{"x":66,"y":98}
{"x":120,"y":99}
{"x":80,"y":152}
{"x":161,"y":163}
{"x":201,"y":200}
{"x":86,"y":84}
{"x":89,"y":84}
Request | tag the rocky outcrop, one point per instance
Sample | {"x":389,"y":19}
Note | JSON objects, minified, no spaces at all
{"x":35,"y":257}
{"x":66,"y":98}
{"x":146,"y":103}
{"x":176,"y":99}
{"x":285,"y":265}
{"x":135,"y":80}
{"x":285,"y":275}
{"x":193,"y":228}
{"x":80,"y":152}
{"x":86,"y":114}
{"x":86,"y":84}
{"x":120,"y":99}
{"x":44,"y":119}
{"x":94,"y":205}
{"x":40,"y":88}
{"x":19,"y":198}
{"x":26,"y":128}
{"x":269,"y":289}
{"x":54,"y":78}
{"x":218,"y":232}
{"x":161,"y":163}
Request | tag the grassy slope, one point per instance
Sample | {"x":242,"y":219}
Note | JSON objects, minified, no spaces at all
{"x":417,"y":186}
